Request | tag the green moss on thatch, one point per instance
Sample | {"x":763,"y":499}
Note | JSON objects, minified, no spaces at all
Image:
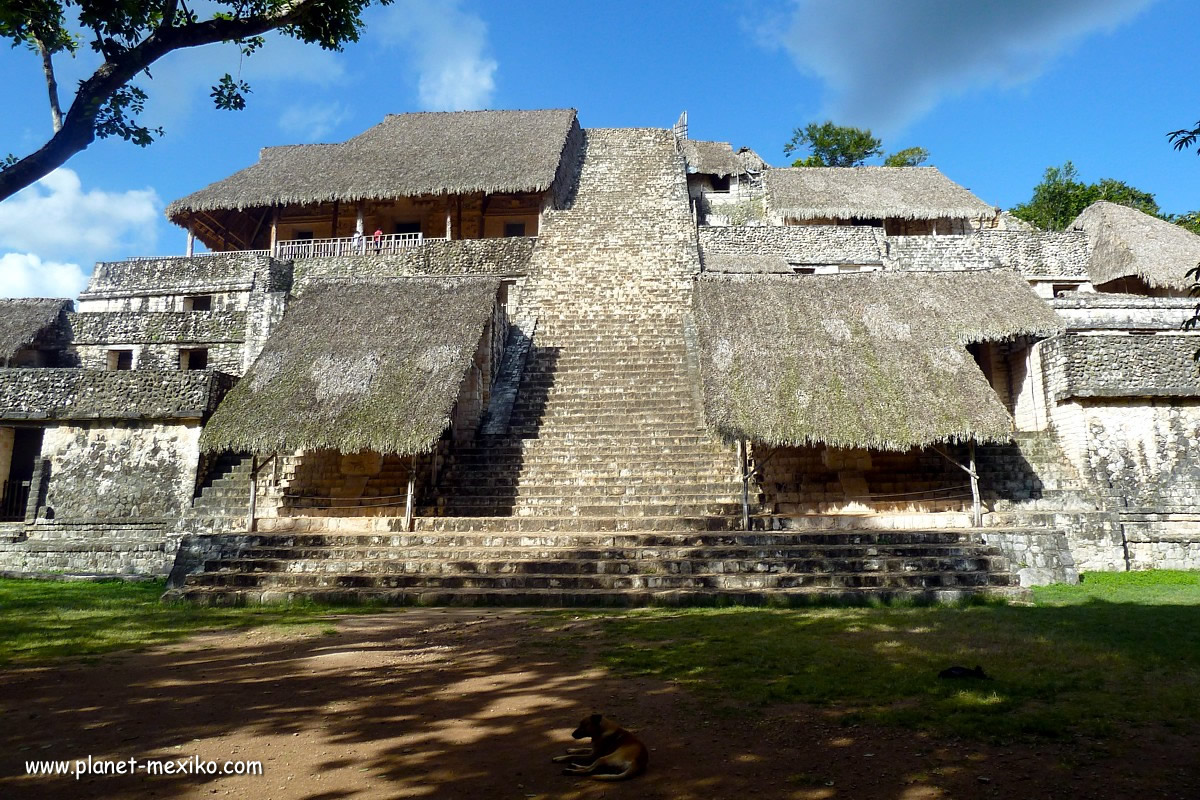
{"x":865,"y":360}
{"x":1128,"y":243}
{"x":358,"y":366}
{"x":406,"y":155}
{"x":869,"y":193}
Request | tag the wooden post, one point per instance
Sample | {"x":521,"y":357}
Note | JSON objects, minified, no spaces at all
{"x":408,"y":503}
{"x":977,"y":515}
{"x":745,"y":485}
{"x":191,"y":239}
{"x":253,"y":493}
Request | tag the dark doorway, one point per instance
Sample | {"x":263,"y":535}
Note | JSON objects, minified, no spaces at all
{"x":14,"y":493}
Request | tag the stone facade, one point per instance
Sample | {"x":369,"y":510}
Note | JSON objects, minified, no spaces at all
{"x":584,"y":415}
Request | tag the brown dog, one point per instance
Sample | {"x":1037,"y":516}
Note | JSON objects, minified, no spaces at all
{"x":613,"y":748}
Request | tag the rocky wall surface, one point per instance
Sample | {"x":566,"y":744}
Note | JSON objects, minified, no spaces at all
{"x":226,"y":358}
{"x":799,"y":244}
{"x":1039,"y":557}
{"x":198,"y":327}
{"x":1037,"y":253}
{"x":105,"y":471}
{"x":1103,"y":311}
{"x":109,"y":547}
{"x":1114,"y":365}
{"x":504,"y":256}
{"x":180,"y":275}
{"x":27,"y":394}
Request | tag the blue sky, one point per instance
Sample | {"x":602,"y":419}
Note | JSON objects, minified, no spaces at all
{"x":996,"y":91}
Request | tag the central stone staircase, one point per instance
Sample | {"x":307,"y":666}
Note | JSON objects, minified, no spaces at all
{"x":600,"y":485}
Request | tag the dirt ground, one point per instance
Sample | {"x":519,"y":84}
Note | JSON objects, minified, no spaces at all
{"x":437,"y":703}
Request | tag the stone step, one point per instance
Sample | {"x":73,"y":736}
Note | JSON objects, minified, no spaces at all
{"x":473,"y":507}
{"x":391,"y":523}
{"x":568,"y":582}
{"x":350,"y":535}
{"x":555,"y":598}
{"x":377,"y":563}
{"x":430,"y":557}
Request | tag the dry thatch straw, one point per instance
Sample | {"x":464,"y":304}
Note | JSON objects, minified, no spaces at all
{"x":1127,"y":243}
{"x":860,"y":360}
{"x":24,"y":320}
{"x":406,"y":155}
{"x":358,"y":366}
{"x":869,"y":193}
{"x":711,"y":158}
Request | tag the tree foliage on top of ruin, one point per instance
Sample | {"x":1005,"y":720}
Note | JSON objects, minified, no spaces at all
{"x":131,"y":36}
{"x":1061,"y":196}
{"x":830,"y":145}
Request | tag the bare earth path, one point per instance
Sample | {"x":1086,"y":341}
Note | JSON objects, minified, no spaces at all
{"x":472,"y":704}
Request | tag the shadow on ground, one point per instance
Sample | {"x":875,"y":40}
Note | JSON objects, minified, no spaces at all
{"x":459,"y":704}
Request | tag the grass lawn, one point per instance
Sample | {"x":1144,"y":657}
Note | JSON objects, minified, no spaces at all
{"x":1121,"y":649}
{"x":42,"y":620}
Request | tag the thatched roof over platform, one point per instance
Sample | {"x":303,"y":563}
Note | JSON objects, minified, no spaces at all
{"x":24,"y":320}
{"x":406,"y":155}
{"x":1127,"y":243}
{"x":711,"y":158}
{"x":369,"y":365}
{"x":873,"y":360}
{"x":869,"y":193}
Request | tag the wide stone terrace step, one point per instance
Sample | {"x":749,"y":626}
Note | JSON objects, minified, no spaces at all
{"x":644,"y":567}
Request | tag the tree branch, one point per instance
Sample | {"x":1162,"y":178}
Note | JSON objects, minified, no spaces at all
{"x":51,"y":84}
{"x":78,"y":129}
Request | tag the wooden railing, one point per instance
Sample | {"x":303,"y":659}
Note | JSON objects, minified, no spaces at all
{"x":347,"y":245}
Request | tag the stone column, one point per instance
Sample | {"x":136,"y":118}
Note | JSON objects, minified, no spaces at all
{"x":191,"y":239}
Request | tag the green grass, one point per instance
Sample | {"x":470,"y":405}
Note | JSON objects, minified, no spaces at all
{"x":42,"y":620}
{"x":1119,"y":650}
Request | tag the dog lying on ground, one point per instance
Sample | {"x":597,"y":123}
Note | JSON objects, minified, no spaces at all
{"x":963,"y":672}
{"x":615,"y":754}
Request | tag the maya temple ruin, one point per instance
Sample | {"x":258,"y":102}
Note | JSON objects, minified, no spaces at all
{"x":496,"y":357}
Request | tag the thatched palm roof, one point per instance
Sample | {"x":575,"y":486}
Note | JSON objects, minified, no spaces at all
{"x":711,"y":158}
{"x":24,"y":320}
{"x":869,"y":193}
{"x":358,"y":366}
{"x":861,"y":360}
{"x":406,"y":155}
{"x":1128,"y":243}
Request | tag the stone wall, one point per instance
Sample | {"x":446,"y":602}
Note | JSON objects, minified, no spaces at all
{"x":1124,"y":312}
{"x":129,"y":327}
{"x":110,"y":547}
{"x":1039,"y":557}
{"x":504,"y":256}
{"x":804,"y":244}
{"x":1037,"y":253}
{"x":105,"y":471}
{"x":1159,"y":365}
{"x":182,"y":275}
{"x":228,"y":358}
{"x":90,"y":394}
{"x":566,"y":177}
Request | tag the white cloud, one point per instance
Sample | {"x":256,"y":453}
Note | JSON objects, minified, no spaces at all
{"x":886,"y":63}
{"x":310,"y":123}
{"x":57,"y":220}
{"x":448,"y":47}
{"x":26,"y":275}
